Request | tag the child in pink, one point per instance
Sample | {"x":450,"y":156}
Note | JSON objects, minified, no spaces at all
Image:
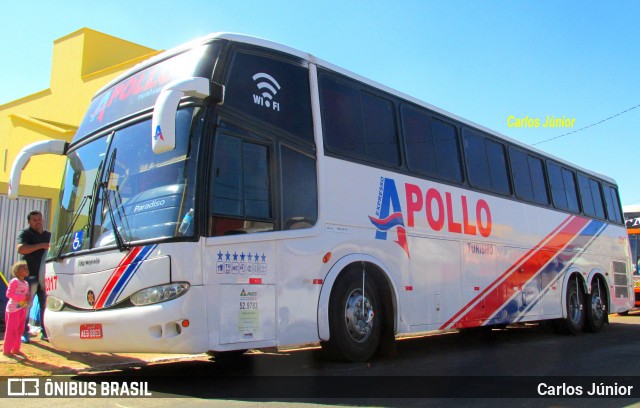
{"x":16,"y":313}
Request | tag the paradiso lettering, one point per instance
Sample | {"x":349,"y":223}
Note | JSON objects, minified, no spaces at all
{"x":473,"y":219}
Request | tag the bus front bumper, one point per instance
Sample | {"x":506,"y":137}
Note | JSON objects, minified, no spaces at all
{"x":175,"y":326}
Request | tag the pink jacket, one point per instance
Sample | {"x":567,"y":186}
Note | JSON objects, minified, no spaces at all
{"x":17,"y":294}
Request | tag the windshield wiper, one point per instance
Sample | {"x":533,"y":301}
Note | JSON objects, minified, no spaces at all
{"x":76,"y":215}
{"x":67,"y":232}
{"x":106,"y":198}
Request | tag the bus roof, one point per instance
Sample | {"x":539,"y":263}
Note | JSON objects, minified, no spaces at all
{"x":632,"y":208}
{"x":241,"y":38}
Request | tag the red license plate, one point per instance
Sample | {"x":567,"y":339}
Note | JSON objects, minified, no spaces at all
{"x":91,"y":331}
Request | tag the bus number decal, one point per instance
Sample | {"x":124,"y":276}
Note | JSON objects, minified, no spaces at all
{"x":50,"y":283}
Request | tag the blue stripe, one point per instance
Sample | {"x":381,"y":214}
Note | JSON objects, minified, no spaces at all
{"x":131,"y":270}
{"x":517,"y":307}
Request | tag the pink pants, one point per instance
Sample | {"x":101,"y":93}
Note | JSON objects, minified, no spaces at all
{"x":14,"y":327}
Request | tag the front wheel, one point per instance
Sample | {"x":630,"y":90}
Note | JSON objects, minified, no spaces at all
{"x":355,"y":317}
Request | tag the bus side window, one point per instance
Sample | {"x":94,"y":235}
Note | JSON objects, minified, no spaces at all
{"x":612,"y":203}
{"x":486,"y":162}
{"x":563,"y":187}
{"x":299,"y":190}
{"x":358,"y":123}
{"x":240,"y":191}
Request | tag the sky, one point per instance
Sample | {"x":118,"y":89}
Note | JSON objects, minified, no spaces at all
{"x":491,"y":62}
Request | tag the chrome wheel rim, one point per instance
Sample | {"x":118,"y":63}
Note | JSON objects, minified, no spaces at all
{"x":359,"y":315}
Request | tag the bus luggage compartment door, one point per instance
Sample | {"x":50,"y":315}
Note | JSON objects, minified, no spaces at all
{"x":247,"y":313}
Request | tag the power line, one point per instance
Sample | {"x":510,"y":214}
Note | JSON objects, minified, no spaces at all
{"x":586,"y":127}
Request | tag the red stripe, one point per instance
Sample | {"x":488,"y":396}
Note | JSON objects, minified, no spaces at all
{"x":507,"y":284}
{"x":115,"y":276}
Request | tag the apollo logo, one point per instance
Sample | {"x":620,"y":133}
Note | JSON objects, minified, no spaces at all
{"x":430,"y":210}
{"x":268,"y":88}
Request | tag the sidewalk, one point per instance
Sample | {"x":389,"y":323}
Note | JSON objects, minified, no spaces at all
{"x":44,"y":360}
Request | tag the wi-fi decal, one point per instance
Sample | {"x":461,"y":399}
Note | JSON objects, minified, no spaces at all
{"x":268,"y":87}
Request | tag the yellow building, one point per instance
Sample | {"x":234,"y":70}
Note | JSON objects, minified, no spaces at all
{"x":82,"y":63}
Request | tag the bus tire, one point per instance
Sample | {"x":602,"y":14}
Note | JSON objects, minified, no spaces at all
{"x":354,"y":328}
{"x":596,"y":315}
{"x":576,"y":316}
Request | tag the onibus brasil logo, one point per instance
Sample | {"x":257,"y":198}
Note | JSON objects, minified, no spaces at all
{"x":441,"y":211}
{"x":268,"y":87}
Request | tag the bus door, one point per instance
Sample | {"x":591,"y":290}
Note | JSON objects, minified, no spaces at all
{"x":240,"y":265}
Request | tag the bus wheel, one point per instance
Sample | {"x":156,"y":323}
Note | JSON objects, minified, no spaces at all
{"x":596,"y":308}
{"x":355,"y":320}
{"x":574,"y":322}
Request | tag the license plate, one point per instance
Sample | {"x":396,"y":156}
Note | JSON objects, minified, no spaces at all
{"x":91,"y":331}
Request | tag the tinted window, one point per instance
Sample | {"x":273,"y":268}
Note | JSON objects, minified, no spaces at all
{"x":569,"y":178}
{"x":380,"y":129}
{"x":240,"y":178}
{"x":141,"y":89}
{"x":486,"y":163}
{"x":432,"y":145}
{"x":421,"y":153}
{"x":272,"y":90}
{"x":528,"y":177}
{"x":299,"y":190}
{"x":612,"y":201}
{"x":563,"y":187}
{"x":590,"y":195}
{"x":447,"y":149}
{"x":342,"y":117}
{"x":358,"y":123}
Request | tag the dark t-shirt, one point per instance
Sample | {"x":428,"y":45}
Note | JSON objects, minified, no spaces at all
{"x":31,"y":237}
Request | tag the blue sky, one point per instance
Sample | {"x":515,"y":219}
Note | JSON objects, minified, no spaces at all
{"x":482,"y":60}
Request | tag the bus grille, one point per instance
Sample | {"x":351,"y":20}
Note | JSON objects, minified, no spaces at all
{"x":620,"y":279}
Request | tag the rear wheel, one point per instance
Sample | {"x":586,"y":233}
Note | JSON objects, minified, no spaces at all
{"x":574,"y":322}
{"x":596,"y":307}
{"x":355,"y":317}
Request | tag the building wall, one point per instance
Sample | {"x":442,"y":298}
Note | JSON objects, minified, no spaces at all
{"x":82,"y":63}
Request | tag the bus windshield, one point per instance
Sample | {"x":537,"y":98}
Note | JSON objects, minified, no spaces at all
{"x":116,"y":190}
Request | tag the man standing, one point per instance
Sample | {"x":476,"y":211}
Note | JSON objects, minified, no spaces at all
{"x":33,"y":242}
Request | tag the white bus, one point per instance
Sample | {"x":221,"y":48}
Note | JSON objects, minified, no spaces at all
{"x":237,"y":194}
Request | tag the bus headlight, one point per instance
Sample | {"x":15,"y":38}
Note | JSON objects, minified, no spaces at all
{"x":54,"y":304}
{"x":161,"y":293}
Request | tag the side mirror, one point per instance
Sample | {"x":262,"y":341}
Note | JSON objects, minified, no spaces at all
{"x":163,"y":122}
{"x":58,"y":147}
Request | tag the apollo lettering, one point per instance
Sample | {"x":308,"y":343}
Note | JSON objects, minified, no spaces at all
{"x":457,"y":214}
{"x":475,"y":217}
